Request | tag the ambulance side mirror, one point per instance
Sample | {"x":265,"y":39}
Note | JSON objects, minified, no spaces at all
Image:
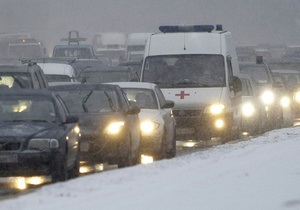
{"x":236,"y":84}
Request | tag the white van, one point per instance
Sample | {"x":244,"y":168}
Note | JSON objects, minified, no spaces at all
{"x":197,"y":68}
{"x":135,"y":46}
{"x":58,"y":73}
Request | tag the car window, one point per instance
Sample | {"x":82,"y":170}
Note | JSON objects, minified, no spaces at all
{"x":27,"y":109}
{"x":143,"y":98}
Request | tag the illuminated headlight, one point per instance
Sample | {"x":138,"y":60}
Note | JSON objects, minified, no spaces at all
{"x":297,"y":96}
{"x":41,"y":144}
{"x":114,"y":128}
{"x":248,"y":109}
{"x":285,"y":101}
{"x":268,"y":97}
{"x":215,"y":109}
{"x":219,"y":123}
{"x":148,"y":127}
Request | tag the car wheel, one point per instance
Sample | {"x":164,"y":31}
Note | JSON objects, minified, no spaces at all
{"x":60,"y":172}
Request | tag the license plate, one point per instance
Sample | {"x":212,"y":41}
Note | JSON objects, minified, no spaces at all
{"x":185,"y":131}
{"x":84,"y":146}
{"x":13,"y":158}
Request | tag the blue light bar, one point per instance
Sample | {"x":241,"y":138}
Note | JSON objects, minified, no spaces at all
{"x":186,"y":28}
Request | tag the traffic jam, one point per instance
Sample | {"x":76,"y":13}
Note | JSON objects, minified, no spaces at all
{"x":137,"y":98}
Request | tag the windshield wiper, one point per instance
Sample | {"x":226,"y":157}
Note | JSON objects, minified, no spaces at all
{"x":84,"y":100}
{"x":111,"y":104}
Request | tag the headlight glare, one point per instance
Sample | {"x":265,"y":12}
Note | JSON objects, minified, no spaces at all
{"x":248,"y":109}
{"x":285,"y":101}
{"x":268,"y":97}
{"x":297,"y":96}
{"x":148,"y":127}
{"x":115,"y":127}
{"x":215,"y":109}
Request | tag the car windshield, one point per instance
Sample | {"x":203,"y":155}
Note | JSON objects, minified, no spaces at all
{"x":92,"y":101}
{"x":57,"y":78}
{"x":73,"y":52}
{"x":143,"y":98}
{"x":259,"y":74}
{"x":25,"y":51}
{"x":185,"y":70}
{"x":15,"y":80}
{"x":29,"y":108}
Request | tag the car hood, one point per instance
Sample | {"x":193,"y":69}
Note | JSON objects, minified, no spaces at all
{"x":94,"y":122}
{"x":27,"y":129}
{"x":149,"y":114}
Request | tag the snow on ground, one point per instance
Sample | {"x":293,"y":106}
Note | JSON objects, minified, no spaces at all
{"x":261,"y":173}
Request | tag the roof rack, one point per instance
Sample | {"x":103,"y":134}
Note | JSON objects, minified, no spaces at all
{"x":73,"y":38}
{"x":188,"y":28}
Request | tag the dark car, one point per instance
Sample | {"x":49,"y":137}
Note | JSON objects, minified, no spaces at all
{"x":22,"y":76}
{"x":261,"y":74}
{"x":109,"y":74}
{"x":109,"y":125}
{"x":38,"y":136}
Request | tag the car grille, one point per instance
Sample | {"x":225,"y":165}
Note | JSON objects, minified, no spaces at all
{"x":9,"y":145}
{"x":187,"y":113}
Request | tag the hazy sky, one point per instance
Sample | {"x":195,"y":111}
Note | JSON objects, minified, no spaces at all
{"x":250,"y":21}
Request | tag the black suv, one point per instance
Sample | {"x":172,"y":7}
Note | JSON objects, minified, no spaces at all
{"x":22,"y":76}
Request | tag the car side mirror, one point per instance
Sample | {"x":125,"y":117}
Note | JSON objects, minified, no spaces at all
{"x":169,"y":104}
{"x":72,"y":119}
{"x":133,"y":110}
{"x":236,"y":84}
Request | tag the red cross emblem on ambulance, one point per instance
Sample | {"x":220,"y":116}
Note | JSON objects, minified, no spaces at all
{"x":182,"y":94}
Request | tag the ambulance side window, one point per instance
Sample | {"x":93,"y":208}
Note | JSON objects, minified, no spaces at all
{"x":229,"y":67}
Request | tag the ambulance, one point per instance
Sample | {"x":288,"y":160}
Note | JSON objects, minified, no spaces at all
{"x":196,"y":66}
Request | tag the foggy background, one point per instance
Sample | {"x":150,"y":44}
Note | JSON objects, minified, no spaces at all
{"x":251,"y":22}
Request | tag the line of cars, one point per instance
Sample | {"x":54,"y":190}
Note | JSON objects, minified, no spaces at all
{"x":49,"y":130}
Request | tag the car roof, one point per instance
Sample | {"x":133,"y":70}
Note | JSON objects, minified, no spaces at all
{"x":142,"y":85}
{"x":57,"y":68}
{"x":83,"y":87}
{"x":14,"y":68}
{"x":26,"y":92}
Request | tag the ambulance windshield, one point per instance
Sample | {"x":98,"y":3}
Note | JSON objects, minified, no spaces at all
{"x":172,"y":71}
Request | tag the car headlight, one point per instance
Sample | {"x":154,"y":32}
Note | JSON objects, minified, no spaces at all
{"x":268,"y":97}
{"x":297,"y":97}
{"x":215,"y":109}
{"x":248,"y":109}
{"x":41,"y":144}
{"x":114,"y":128}
{"x":285,"y":101}
{"x":148,"y":127}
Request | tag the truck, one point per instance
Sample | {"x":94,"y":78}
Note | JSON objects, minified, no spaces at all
{"x":135,"y":46}
{"x":196,"y":66}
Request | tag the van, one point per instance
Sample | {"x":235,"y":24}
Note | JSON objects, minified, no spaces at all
{"x":197,"y":68}
{"x":135,"y":46}
{"x":58,"y":72}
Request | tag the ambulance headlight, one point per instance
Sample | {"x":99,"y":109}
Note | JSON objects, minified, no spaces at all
{"x":297,"y":96}
{"x":268,"y":97}
{"x":285,"y":101}
{"x":215,"y":109}
{"x":248,"y":109}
